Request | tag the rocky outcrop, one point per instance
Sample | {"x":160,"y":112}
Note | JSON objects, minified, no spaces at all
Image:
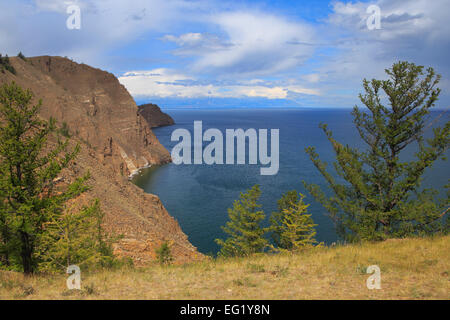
{"x":116,"y":142}
{"x":154,"y":116}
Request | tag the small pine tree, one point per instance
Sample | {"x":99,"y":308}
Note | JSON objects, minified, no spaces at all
{"x":164,"y":254}
{"x":276,"y":219}
{"x":382,"y":195}
{"x":5,"y":64}
{"x":21,"y":56}
{"x":246,"y":236}
{"x":297,"y":228}
{"x":75,"y":237}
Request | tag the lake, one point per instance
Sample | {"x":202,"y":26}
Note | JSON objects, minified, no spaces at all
{"x":198,"y":195}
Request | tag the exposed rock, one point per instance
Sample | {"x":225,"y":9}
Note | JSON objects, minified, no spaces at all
{"x":154,"y":116}
{"x":115,"y":143}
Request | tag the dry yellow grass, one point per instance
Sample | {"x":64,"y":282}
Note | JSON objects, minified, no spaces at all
{"x":410,"y":269}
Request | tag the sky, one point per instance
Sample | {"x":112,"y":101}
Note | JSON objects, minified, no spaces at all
{"x":237,"y":53}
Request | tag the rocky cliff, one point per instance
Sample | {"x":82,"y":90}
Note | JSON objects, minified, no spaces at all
{"x":154,"y":116}
{"x":116,"y":142}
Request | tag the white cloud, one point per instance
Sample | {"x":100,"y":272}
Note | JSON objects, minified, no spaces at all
{"x":168,"y":83}
{"x":39,"y":27}
{"x":189,"y":39}
{"x":312,"y":78}
{"x":412,"y":30}
{"x":260,"y":44}
{"x":251,"y":43}
{"x":56,"y":6}
{"x":197,"y":44}
{"x":226,"y":50}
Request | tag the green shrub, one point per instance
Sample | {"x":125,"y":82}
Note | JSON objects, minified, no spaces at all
{"x":21,"y":56}
{"x":164,"y":254}
{"x":5,"y":64}
{"x":64,"y":130}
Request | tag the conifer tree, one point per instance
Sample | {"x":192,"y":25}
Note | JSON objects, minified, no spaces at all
{"x":293,"y":226}
{"x":28,"y":168}
{"x":246,"y":236}
{"x":21,"y":56}
{"x":5,"y":64}
{"x":381,"y":196}
{"x":276,"y":219}
{"x":75,"y":237}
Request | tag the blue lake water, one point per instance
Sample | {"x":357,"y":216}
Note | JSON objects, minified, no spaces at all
{"x":198,"y":195}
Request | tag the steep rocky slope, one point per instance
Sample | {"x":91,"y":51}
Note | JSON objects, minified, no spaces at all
{"x":154,"y":116}
{"x":116,"y":141}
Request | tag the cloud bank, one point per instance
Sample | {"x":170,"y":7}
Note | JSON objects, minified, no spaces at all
{"x":198,"y":49}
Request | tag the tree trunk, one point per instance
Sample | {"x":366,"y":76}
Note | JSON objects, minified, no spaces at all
{"x":26,"y":253}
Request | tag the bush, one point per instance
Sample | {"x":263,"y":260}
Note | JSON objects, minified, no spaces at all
{"x":21,"y":56}
{"x":5,"y":64}
{"x":64,"y":130}
{"x":164,"y":254}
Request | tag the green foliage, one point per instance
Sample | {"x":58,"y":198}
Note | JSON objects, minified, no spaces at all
{"x":382,"y":195}
{"x":276,"y":219}
{"x":76,"y":237}
{"x":246,"y":236}
{"x":29,"y":197}
{"x":64,"y":130}
{"x":293,"y":228}
{"x":5,"y":64}
{"x":164,"y":254}
{"x":21,"y":56}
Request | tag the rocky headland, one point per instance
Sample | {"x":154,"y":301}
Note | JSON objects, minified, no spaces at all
{"x":154,"y":116}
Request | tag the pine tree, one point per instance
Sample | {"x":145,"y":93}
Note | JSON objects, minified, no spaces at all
{"x":382,"y":195}
{"x":5,"y":64}
{"x":75,"y":237}
{"x":7,"y":241}
{"x":276,"y":219}
{"x":246,"y":236}
{"x":28,"y":168}
{"x":21,"y":56}
{"x":294,"y":227}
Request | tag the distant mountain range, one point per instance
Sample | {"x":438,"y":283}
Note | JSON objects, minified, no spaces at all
{"x":218,"y":102}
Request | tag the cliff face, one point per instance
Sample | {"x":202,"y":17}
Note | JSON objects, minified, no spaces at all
{"x":116,"y":141}
{"x":154,"y":116}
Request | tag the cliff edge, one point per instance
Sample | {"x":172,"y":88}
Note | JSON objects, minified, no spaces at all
{"x":116,"y":142}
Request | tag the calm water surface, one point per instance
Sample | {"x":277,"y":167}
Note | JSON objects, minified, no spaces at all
{"x":198,"y":195}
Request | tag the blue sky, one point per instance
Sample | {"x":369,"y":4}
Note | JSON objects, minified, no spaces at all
{"x":236,"y":53}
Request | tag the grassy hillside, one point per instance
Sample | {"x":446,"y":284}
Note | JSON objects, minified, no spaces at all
{"x":410,"y":269}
